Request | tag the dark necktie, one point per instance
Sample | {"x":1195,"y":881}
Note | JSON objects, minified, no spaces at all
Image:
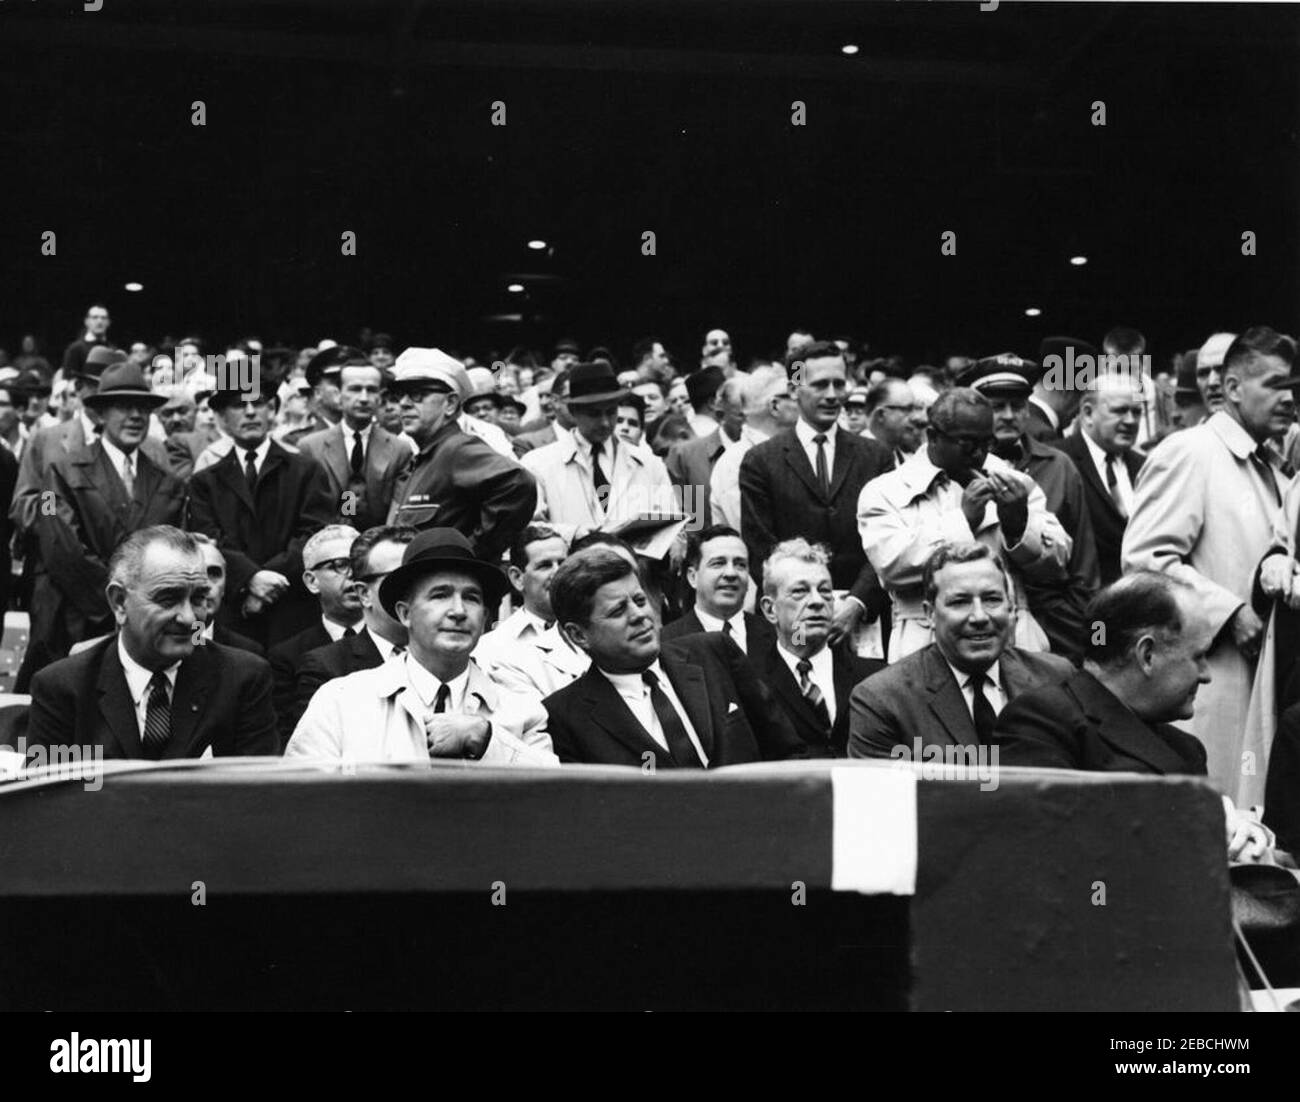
{"x":398,"y":652}
{"x":157,"y":718}
{"x":250,"y":468}
{"x":349,"y":632}
{"x":440,"y":701}
{"x":823,"y":479}
{"x":985,"y":717}
{"x":358,"y":454}
{"x":1112,"y":484}
{"x":597,"y":475}
{"x":813,"y":694}
{"x":679,"y":742}
{"x":728,"y":630}
{"x":1263,"y":463}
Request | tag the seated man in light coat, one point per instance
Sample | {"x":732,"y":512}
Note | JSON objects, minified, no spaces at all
{"x":951,"y":491}
{"x":433,"y":701}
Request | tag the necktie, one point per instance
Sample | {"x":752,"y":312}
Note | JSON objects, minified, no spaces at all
{"x":985,"y":717}
{"x":1263,"y":463}
{"x":823,"y":479}
{"x":349,"y":632}
{"x":679,"y":742}
{"x":597,"y":475}
{"x":157,"y":718}
{"x":813,"y":694}
{"x":250,"y":468}
{"x":1112,"y":484}
{"x":398,"y":652}
{"x":358,"y":454}
{"x":128,"y":475}
{"x":440,"y":701}
{"x":728,"y":630}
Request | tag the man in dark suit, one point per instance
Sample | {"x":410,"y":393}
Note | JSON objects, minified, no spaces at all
{"x":327,"y":565}
{"x":456,"y":480}
{"x":94,"y":335}
{"x":1102,"y":452}
{"x":950,"y":692}
{"x":375,"y":554}
{"x":260,"y":503}
{"x":810,"y":680}
{"x":1055,"y":398}
{"x":806,"y":482}
{"x":148,"y":691}
{"x":693,"y":703}
{"x":362,"y":461}
{"x":214,"y":631}
{"x":1115,"y":714}
{"x":97,"y":497}
{"x":717,"y":570}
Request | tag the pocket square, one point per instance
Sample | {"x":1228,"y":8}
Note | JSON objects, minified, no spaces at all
{"x":732,"y":707}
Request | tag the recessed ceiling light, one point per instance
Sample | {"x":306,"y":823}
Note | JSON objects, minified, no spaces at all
{"x":537,"y":243}
{"x":514,"y":288}
{"x":135,"y":286}
{"x":849,"y":49}
{"x":1078,"y":261}
{"x":1033,"y":312}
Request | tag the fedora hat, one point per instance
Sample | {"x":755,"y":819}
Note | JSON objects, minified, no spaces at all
{"x":594,"y":384}
{"x":437,"y":549}
{"x":124,"y":382}
{"x":98,"y":358}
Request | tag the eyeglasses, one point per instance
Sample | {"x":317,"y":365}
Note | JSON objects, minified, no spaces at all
{"x":335,"y":566}
{"x":418,"y":396}
{"x":967,"y":443}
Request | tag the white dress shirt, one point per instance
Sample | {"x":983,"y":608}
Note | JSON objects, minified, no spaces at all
{"x":724,"y":482}
{"x":737,"y":622}
{"x":259,"y":454}
{"x":822,"y":673}
{"x":382,"y":645}
{"x":636,"y":693}
{"x":993,"y":690}
{"x":426,"y":686}
{"x":1122,"y":481}
{"x":335,"y":631}
{"x":121,"y":460}
{"x":349,"y":435}
{"x":137,"y":683}
{"x":805,"y":432}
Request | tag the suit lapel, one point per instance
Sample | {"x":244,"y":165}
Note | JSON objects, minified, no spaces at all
{"x":609,"y":711}
{"x":947,"y":701}
{"x":336,"y":457}
{"x":688,"y":684}
{"x":1119,"y":727}
{"x":194,"y":682}
{"x":845,"y":454}
{"x":1088,"y":469}
{"x":797,"y":460}
{"x":231,"y":473}
{"x":115,"y":703}
{"x":781,"y":681}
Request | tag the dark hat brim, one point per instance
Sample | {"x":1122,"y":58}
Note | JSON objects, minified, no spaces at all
{"x":397,"y":585}
{"x":224,"y":399}
{"x":117,"y":396}
{"x":604,"y":398}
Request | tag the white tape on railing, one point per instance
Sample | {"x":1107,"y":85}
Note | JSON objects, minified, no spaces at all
{"x":874,"y":844}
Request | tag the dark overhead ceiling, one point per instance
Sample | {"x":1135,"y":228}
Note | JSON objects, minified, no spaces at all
{"x":668,"y":116}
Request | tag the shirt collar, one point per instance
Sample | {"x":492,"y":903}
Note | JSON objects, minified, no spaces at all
{"x":823,"y":663}
{"x":713,"y":623}
{"x":426,"y":685}
{"x":752,"y":436}
{"x":382,"y":645}
{"x":260,"y":453}
{"x":349,"y":433}
{"x":806,"y":432}
{"x":333,"y":630}
{"x":993,"y":673}
{"x":583,"y":446}
{"x":633,"y":684}
{"x":116,"y":455}
{"x":137,"y":677}
{"x":1231,"y":432}
{"x":1099,"y":456}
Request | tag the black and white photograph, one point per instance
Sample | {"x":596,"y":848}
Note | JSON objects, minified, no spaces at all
{"x":649,"y":506}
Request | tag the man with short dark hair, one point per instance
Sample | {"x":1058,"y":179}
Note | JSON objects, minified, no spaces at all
{"x":690,"y":464}
{"x":717,"y":570}
{"x":692,"y":703}
{"x":950,"y":692}
{"x":1204,"y":511}
{"x":810,"y":680}
{"x":890,"y":408}
{"x":1052,"y":408}
{"x":94,"y":334}
{"x":148,"y":691}
{"x":1141,"y":674}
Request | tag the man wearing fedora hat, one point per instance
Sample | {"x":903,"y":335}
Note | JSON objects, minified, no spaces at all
{"x":96,"y":497}
{"x":588,"y":479}
{"x":433,"y":701}
{"x":456,"y":480}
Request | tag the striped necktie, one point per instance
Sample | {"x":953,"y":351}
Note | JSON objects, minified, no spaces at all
{"x":157,"y":717}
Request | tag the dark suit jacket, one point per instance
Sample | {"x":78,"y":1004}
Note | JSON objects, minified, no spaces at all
{"x":690,"y":464}
{"x":284,"y":658}
{"x":731,"y":711}
{"x":1107,"y":523}
{"x":1080,"y":724}
{"x":222,"y":699}
{"x":458,"y":481}
{"x":918,"y":698}
{"x":780,"y":499}
{"x":758,"y":632}
{"x":263,"y":529}
{"x":1282,"y":782}
{"x":387,"y":456}
{"x":8,"y":483}
{"x":227,"y":638}
{"x":356,"y":652}
{"x":848,"y":671}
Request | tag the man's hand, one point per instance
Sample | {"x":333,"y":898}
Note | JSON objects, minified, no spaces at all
{"x":845,"y":621}
{"x":1012,"y":497}
{"x":977,"y":495}
{"x":1247,"y":839}
{"x":1247,"y":631}
{"x":251,"y":606}
{"x":456,"y":736}
{"x":1277,"y":578}
{"x":267,"y":585}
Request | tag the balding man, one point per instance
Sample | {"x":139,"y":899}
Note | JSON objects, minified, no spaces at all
{"x":768,"y":406}
{"x":690,"y":464}
{"x":891,"y":409}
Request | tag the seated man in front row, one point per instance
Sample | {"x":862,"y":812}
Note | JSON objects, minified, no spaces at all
{"x":150,"y":691}
{"x":950,"y":692}
{"x":433,"y":701}
{"x":693,"y":704}
{"x":1138,"y":676}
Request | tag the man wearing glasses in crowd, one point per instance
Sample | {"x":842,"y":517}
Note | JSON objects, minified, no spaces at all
{"x":952,"y":490}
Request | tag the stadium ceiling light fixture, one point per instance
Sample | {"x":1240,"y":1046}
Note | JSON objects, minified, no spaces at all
{"x":514,"y":288}
{"x":850,"y":49}
{"x":135,"y":286}
{"x":1078,"y":261}
{"x":537,"y":244}
{"x":1033,"y":312}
